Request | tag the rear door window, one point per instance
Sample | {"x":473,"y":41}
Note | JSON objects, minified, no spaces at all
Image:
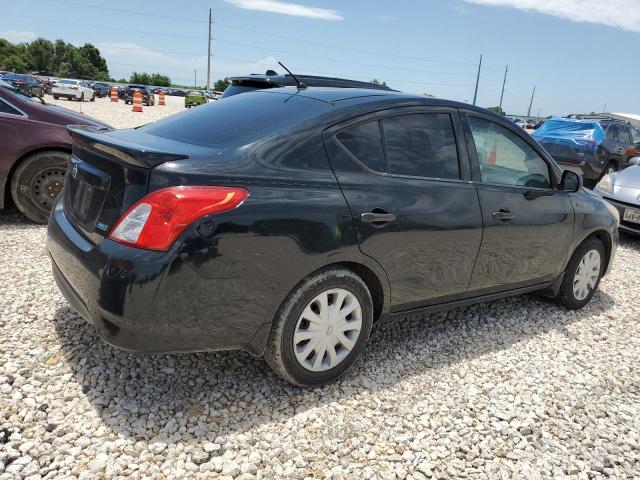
{"x":611,"y":133}
{"x":421,"y":145}
{"x":364,"y":143}
{"x":6,"y":108}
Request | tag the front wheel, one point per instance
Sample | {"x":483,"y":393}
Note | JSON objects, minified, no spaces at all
{"x":582,"y":275}
{"x":93,"y":98}
{"x":36,"y":183}
{"x":321,"y":328}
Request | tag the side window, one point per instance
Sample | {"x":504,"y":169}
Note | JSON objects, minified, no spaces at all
{"x":635,"y":133}
{"x":611,"y":133}
{"x":6,"y":108}
{"x":421,"y":145}
{"x":623,"y":134}
{"x":505,"y":158}
{"x":364,"y":142}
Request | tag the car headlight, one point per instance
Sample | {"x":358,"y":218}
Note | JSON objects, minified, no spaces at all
{"x":606,"y":184}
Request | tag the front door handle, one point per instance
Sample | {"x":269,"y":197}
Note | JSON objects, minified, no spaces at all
{"x":380,"y":217}
{"x":503,"y":215}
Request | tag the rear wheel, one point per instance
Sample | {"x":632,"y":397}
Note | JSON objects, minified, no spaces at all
{"x":582,"y":275}
{"x":36,"y":183}
{"x":82,"y":97}
{"x":321,"y":329}
{"x":93,"y":98}
{"x":55,"y":97}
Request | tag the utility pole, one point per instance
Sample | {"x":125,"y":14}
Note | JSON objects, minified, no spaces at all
{"x":475,"y":94}
{"x":503,"y":83}
{"x":209,"y":54}
{"x":195,"y":82}
{"x":531,"y":102}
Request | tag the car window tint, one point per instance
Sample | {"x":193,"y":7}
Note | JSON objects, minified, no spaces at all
{"x":623,"y":134}
{"x":635,"y":133}
{"x":421,"y":145}
{"x":239,"y":120}
{"x":6,"y":108}
{"x":611,"y":133}
{"x":505,"y":158}
{"x":364,"y":142}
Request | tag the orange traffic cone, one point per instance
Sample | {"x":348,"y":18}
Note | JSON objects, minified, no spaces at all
{"x":161,"y":99}
{"x":114,"y":94}
{"x":137,"y":102}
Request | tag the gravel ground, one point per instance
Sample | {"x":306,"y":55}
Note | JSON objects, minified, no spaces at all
{"x":512,"y":389}
{"x":119,"y":115}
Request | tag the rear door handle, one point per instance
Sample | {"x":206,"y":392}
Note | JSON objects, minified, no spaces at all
{"x":377,"y":217}
{"x":503,"y":215}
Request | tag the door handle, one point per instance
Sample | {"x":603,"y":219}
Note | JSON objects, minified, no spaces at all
{"x":377,"y":217}
{"x":503,"y":215}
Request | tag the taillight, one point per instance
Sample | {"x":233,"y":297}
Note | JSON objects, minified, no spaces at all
{"x":73,"y":88}
{"x":155,"y":221}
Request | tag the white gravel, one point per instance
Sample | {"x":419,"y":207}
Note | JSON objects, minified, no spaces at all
{"x":118,"y":114}
{"x":513,"y":389}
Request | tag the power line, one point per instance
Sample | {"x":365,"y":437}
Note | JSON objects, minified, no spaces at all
{"x":266,"y":49}
{"x":271,"y":34}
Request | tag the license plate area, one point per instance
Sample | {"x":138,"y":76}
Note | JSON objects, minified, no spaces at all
{"x":85,"y":192}
{"x":631,"y":215}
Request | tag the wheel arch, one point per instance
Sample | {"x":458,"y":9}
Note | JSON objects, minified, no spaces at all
{"x":606,"y":240}
{"x":5,"y":190}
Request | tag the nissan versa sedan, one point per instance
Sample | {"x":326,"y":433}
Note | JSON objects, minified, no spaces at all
{"x":285,"y":222}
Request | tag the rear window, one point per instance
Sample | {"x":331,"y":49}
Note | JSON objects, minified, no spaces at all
{"x":235,"y":89}
{"x":239,"y":120}
{"x":67,"y":82}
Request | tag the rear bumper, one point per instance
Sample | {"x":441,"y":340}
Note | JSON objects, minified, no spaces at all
{"x":145,"y":301}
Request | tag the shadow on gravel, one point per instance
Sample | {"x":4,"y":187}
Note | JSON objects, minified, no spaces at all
{"x":221,"y":393}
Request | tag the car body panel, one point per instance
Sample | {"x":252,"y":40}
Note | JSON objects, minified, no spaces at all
{"x":625,"y":195}
{"x":36,"y":127}
{"x":222,"y":282}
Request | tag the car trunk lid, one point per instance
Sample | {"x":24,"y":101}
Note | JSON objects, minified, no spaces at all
{"x":108,"y":173}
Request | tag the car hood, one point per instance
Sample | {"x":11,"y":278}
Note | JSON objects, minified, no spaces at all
{"x":75,"y":118}
{"x":629,"y":177}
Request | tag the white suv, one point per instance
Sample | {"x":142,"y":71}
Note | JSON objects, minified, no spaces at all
{"x":71,"y":89}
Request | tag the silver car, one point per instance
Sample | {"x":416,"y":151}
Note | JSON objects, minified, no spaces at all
{"x":622,"y":190}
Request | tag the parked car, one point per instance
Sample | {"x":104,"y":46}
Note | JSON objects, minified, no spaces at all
{"x":147,"y":95}
{"x":194,"y":98}
{"x":622,"y":190}
{"x":295,"y":223}
{"x":35,"y":147}
{"x":26,"y":83}
{"x":73,"y":90}
{"x":102,"y":89}
{"x":538,"y":124}
{"x":178,"y":93}
{"x":592,"y":147}
{"x":271,"y":79}
{"x":519,"y":122}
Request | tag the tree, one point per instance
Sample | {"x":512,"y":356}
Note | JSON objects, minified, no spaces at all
{"x":221,"y":85}
{"x":41,"y":56}
{"x":375,"y":81}
{"x":159,"y":80}
{"x":498,"y":110}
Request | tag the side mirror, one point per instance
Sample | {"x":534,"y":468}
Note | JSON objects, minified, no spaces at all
{"x":634,"y":161}
{"x":571,"y":181}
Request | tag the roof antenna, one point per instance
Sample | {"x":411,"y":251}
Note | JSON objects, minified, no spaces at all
{"x":301,"y":86}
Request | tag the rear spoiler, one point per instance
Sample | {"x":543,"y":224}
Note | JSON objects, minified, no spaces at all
{"x":97,"y":139}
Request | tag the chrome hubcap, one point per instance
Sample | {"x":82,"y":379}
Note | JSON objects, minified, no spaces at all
{"x":327,"y":330}
{"x":587,"y":275}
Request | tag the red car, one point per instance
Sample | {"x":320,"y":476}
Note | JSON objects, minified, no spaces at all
{"x":35,"y":148}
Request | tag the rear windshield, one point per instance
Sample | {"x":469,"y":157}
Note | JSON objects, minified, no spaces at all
{"x":239,"y":120}
{"x":234,"y":89}
{"x":67,"y":82}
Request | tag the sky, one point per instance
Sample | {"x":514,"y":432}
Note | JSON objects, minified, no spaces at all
{"x":581,"y":55}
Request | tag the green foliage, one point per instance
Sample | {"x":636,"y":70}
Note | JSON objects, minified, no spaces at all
{"x":498,"y":110}
{"x":221,"y":85}
{"x":375,"y":81}
{"x":155,"y":79}
{"x":57,"y":59}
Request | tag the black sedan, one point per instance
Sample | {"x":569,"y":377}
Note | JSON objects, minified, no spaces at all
{"x":306,"y":215}
{"x":25,"y":83}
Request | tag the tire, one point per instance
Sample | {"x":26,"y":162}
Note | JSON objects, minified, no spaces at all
{"x":55,"y":97}
{"x":37,"y":181}
{"x":93,"y":98}
{"x":567,"y":295}
{"x":81,"y":97}
{"x":280,"y":352}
